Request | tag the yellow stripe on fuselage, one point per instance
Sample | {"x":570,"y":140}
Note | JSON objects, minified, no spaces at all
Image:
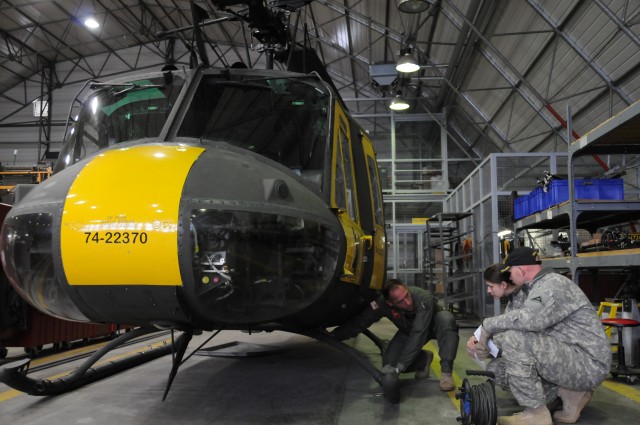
{"x":120,"y":219}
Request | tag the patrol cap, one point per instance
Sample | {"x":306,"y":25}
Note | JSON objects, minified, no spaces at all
{"x":523,"y":256}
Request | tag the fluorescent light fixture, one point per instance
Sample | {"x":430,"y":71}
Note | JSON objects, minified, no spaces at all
{"x":504,"y":233}
{"x":91,"y":23}
{"x":407,"y":63}
{"x":413,"y":6}
{"x":398,"y":103}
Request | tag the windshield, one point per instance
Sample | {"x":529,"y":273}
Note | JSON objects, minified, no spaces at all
{"x":283,"y":119}
{"x":118,"y":113}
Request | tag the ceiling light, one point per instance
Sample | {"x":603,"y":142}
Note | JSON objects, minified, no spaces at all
{"x":91,"y":23}
{"x":398,"y":103}
{"x":407,"y":63}
{"x":413,"y":6}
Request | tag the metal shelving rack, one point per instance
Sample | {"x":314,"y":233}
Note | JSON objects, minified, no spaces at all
{"x":487,"y":193}
{"x":453,"y":268}
{"x":590,"y":215}
{"x":9,"y":176}
{"x":618,"y":135}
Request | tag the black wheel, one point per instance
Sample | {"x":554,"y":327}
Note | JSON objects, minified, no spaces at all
{"x":614,"y":374}
{"x":391,"y":387}
{"x":465,"y":403}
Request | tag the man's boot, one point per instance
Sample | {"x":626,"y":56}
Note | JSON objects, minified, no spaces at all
{"x":572,"y":404}
{"x":424,"y":371}
{"x":446,"y":382}
{"x":529,"y":416}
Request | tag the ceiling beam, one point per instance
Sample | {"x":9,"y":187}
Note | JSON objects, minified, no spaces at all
{"x":501,"y":65}
{"x":590,"y":61}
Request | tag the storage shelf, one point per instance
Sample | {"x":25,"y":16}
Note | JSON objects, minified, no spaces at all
{"x":459,"y":276}
{"x":445,"y":241}
{"x":617,"y":135}
{"x":614,"y":259}
{"x":449,"y":278}
{"x":34,"y":175}
{"x":460,"y":257}
{"x":590,"y":215}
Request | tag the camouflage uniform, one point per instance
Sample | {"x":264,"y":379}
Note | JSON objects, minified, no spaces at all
{"x":499,"y":368}
{"x":553,"y":339}
{"x":415,"y":329}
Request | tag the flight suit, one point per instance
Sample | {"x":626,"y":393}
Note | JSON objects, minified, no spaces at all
{"x":426,"y":322}
{"x":555,"y":339}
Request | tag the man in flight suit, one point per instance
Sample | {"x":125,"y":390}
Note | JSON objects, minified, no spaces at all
{"x":553,"y":344}
{"x":416,"y":314}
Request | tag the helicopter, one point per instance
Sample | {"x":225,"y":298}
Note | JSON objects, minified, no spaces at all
{"x":202,"y":199}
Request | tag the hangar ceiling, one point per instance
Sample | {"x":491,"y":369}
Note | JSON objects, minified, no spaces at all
{"x":503,"y":72}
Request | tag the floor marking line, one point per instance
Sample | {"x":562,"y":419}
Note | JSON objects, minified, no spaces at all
{"x":435,"y":366}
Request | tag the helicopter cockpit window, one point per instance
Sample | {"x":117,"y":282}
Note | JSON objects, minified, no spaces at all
{"x":283,"y":119}
{"x":117,"y":113}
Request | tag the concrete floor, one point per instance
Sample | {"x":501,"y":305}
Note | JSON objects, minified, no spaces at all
{"x":304,"y":382}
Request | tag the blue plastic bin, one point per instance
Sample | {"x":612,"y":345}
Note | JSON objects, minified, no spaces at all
{"x":534,"y":200}
{"x":597,"y":189}
{"x":539,"y":200}
{"x":521,"y":207}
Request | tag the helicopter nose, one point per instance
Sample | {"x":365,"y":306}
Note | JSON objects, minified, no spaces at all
{"x":113,"y":223}
{"x":133,"y":224}
{"x":121,"y":212}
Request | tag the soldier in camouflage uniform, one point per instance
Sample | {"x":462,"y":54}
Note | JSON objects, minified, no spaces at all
{"x":499,"y":286}
{"x":553,"y":342}
{"x":419,"y":318}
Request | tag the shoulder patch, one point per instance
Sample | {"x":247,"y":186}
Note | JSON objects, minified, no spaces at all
{"x":374,"y":305}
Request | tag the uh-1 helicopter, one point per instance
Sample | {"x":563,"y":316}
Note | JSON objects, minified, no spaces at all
{"x":202,"y":199}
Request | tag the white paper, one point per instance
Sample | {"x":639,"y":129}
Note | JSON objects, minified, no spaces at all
{"x":479,"y":362}
{"x":493,"y":349}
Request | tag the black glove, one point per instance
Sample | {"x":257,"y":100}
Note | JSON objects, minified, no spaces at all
{"x":339,"y":334}
{"x":389,"y":369}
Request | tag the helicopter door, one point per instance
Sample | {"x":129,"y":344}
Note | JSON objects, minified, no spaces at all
{"x":344,"y":197}
{"x":376,"y":241}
